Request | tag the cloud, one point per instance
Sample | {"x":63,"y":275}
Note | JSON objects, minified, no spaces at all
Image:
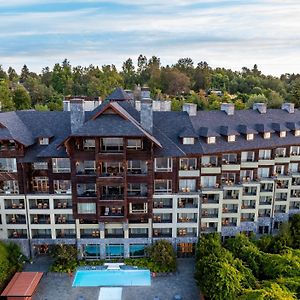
{"x":224,"y":33}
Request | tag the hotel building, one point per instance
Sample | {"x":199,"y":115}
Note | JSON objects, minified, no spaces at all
{"x":113,"y":179}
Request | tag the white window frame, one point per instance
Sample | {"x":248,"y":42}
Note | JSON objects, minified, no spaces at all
{"x":91,"y":210}
{"x":231,"y":138}
{"x":169,"y":165}
{"x":297,"y":132}
{"x":282,"y":134}
{"x":44,"y":141}
{"x":265,"y":154}
{"x":295,"y":150}
{"x":188,"y":141}
{"x":250,"y":136}
{"x":267,"y":135}
{"x":138,"y":144}
{"x":211,"y":140}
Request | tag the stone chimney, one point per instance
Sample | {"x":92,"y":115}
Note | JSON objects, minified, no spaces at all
{"x":261,"y":107}
{"x":228,"y":108}
{"x":145,"y":93}
{"x":289,"y":107}
{"x":77,"y":114}
{"x":147,"y":114}
{"x":190,"y":108}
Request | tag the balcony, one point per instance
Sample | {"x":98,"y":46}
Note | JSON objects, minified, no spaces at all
{"x":265,"y":201}
{"x":86,"y":190}
{"x":248,"y":205}
{"x":228,"y":222}
{"x":14,"y":204}
{"x":159,"y":233}
{"x":230,"y":195}
{"x":15,"y":219}
{"x":186,"y":232}
{"x":188,"y":203}
{"x":41,"y":234}
{"x":65,"y":235}
{"x":40,"y":219}
{"x":214,"y":199}
{"x":114,"y":233}
{"x":162,"y":218}
{"x":209,"y":229}
{"x":38,"y":204}
{"x":62,"y":204}
{"x":230,"y":209}
{"x":89,"y":233}
{"x":112,"y":212}
{"x":64,"y":219}
{"x":138,"y":233}
{"x":17,"y":234}
{"x":163,"y":203}
{"x":266,"y":187}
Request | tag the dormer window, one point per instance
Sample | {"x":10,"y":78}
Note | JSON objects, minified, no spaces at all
{"x":297,"y":132}
{"x":188,"y":140}
{"x":250,"y":137}
{"x":231,"y":138}
{"x":267,"y":135}
{"x":282,"y":134}
{"x":44,"y":141}
{"x":211,"y":140}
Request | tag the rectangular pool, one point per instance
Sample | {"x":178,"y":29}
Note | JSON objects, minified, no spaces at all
{"x":112,"y":278}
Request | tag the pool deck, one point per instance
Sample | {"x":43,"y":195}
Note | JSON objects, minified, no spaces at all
{"x":55,"y":286}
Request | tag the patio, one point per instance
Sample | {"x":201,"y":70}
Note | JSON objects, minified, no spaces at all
{"x":59,"y":286}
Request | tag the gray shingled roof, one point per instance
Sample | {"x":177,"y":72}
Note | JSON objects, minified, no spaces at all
{"x":118,"y":95}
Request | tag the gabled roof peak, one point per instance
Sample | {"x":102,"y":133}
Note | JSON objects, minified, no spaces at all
{"x":118,"y":95}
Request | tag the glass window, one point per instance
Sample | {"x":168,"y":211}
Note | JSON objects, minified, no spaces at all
{"x":112,"y":144}
{"x":134,"y":144}
{"x":62,"y":186}
{"x":44,"y":141}
{"x":211,"y":140}
{"x":264,"y":154}
{"x":163,"y":164}
{"x":231,"y":138}
{"x":295,"y":150}
{"x":246,"y":175}
{"x":267,"y":135}
{"x":230,"y":158}
{"x":209,"y":161}
{"x":8,"y":165}
{"x":136,"y":250}
{"x":61,"y":165}
{"x":297,"y":132}
{"x":208,"y":181}
{"x":247,"y":156}
{"x":188,"y":141}
{"x":86,"y":208}
{"x":114,"y":251}
{"x":228,"y":178}
{"x":293,"y":167}
{"x":282,"y":134}
{"x":187,"y":185}
{"x":188,"y":164}
{"x":9,"y":187}
{"x":163,"y":186}
{"x":250,"y":137}
{"x":89,"y":144}
{"x":280,"y":152}
{"x":263,"y":172}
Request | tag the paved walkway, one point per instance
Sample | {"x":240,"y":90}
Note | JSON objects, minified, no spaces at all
{"x":56,"y":286}
{"x":40,"y":264}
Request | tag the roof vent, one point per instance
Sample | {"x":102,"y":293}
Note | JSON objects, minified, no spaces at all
{"x":261,"y":107}
{"x":289,"y":107}
{"x":190,"y":108}
{"x":228,"y":108}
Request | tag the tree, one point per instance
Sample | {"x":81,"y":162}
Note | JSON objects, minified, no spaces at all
{"x":295,"y":92}
{"x":174,"y":82}
{"x":274,"y":99}
{"x":129,"y":74}
{"x":4,"y":265}
{"x":6,"y":101}
{"x":295,"y":230}
{"x":21,"y":98}
{"x":163,"y":254}
{"x":202,"y":77}
{"x":256,"y":99}
{"x":24,"y":74}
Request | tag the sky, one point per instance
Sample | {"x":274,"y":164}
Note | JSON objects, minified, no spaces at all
{"x":224,"y":33}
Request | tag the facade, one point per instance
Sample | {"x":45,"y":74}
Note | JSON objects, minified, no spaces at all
{"x":115,"y":179}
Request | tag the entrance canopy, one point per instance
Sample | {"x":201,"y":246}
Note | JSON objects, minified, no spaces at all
{"x":22,"y":286}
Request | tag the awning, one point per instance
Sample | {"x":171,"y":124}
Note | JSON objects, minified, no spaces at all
{"x":22,"y":285}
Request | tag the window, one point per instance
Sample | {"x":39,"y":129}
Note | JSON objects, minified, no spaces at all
{"x":211,"y":140}
{"x":231,"y":138}
{"x":263,"y":172}
{"x":40,"y":184}
{"x":61,"y":165}
{"x":86,"y":167}
{"x":40,"y":165}
{"x":209,"y":161}
{"x":138,"y":208}
{"x":137,"y":167}
{"x":279,"y":170}
{"x":188,"y":141}
{"x":44,"y":141}
{"x":187,"y":185}
{"x":247,"y":156}
{"x":86,"y":190}
{"x":228,"y":178}
{"x":136,"y":250}
{"x":112,"y":144}
{"x":88,"y":144}
{"x":250,"y":137}
{"x":297,"y":132}
{"x":267,"y":135}
{"x":137,"y":190}
{"x":134,"y":144}
{"x":264,"y":154}
{"x":229,"y":158}
{"x":9,"y":187}
{"x":293,"y":167}
{"x":188,"y":164}
{"x":282,"y":134}
{"x":163,"y":186}
{"x":62,"y":186}
{"x":280,"y":152}
{"x":8,"y":165}
{"x":246,"y":175}
{"x":295,"y":150}
{"x":86,"y":208}
{"x":208,"y":181}
{"x":163,"y":164}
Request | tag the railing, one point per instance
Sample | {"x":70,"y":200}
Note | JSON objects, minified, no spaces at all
{"x":112,"y":197}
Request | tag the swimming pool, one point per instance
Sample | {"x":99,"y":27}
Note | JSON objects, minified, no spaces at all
{"x":104,"y":277}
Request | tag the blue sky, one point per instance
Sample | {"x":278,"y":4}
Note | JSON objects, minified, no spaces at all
{"x":225,"y":33}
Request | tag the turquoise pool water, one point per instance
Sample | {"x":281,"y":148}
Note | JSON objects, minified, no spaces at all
{"x":105,"y":277}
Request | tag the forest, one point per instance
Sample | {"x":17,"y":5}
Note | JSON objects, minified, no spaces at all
{"x":183,"y":81}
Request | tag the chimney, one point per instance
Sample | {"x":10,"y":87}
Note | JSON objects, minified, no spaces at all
{"x":66,"y":105}
{"x":289,"y":107}
{"x":77,"y":113}
{"x":147,"y":115}
{"x":228,"y":108}
{"x":145,"y":93}
{"x":190,"y":108}
{"x":261,"y":107}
